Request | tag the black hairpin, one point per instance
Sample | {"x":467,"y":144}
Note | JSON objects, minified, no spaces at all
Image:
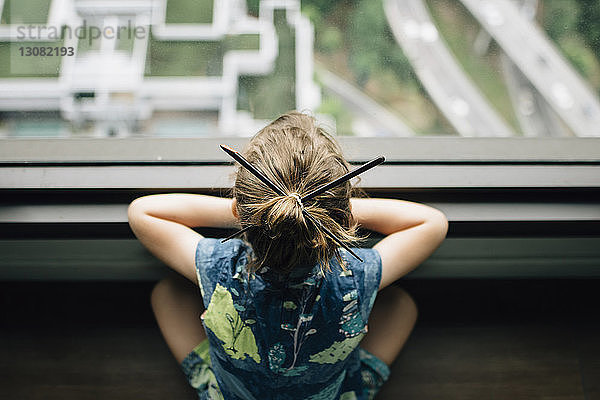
{"x":239,"y":158}
{"x":373,"y":163}
{"x":280,"y":191}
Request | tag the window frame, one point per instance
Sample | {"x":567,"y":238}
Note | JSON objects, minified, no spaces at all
{"x":510,"y":201}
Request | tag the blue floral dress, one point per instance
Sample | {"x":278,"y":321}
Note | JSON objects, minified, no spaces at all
{"x":297,"y":339}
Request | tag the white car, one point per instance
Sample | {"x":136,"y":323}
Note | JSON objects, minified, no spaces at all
{"x":491,"y":14}
{"x":562,"y":95}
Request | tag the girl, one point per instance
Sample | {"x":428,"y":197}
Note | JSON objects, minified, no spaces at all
{"x":284,"y":311}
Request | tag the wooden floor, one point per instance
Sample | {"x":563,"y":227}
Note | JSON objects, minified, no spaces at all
{"x":474,"y":340}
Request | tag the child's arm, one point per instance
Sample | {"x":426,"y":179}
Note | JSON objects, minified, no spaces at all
{"x":163,"y":223}
{"x":413,"y":232}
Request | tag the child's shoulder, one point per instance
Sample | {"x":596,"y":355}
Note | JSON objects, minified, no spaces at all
{"x":218,"y":262}
{"x":368,"y":255}
{"x":365,"y":275}
{"x":215,"y":248}
{"x":370,"y":264}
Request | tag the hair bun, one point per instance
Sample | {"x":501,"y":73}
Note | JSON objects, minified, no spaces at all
{"x":284,"y":215}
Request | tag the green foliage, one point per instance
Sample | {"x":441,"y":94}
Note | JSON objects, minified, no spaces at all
{"x":373,"y":47}
{"x":315,"y":16}
{"x":193,"y":12}
{"x":325,"y":6}
{"x":25,"y":12}
{"x":588,"y":24}
{"x":330,"y":39}
{"x":12,"y":64}
{"x":184,"y":58}
{"x":574,"y":25}
{"x":333,"y":106}
{"x":241,"y":42}
{"x":560,"y":17}
{"x":580,"y":56}
{"x":268,"y":96}
{"x":253,"y":6}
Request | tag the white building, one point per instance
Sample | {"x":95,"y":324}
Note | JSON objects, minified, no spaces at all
{"x":108,"y":81}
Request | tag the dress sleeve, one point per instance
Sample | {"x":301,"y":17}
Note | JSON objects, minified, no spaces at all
{"x":216,"y":262}
{"x":207,"y":270}
{"x":369,"y":279}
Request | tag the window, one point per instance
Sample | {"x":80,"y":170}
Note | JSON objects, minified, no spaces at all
{"x":389,"y":68}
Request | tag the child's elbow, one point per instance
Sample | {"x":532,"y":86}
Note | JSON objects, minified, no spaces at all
{"x":440,"y":222}
{"x":133,"y":210}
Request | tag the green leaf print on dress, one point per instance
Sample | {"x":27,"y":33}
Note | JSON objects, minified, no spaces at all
{"x":277,"y":358}
{"x":348,"y":395}
{"x":223,"y":320}
{"x":338,"y":351}
{"x":289,"y":305}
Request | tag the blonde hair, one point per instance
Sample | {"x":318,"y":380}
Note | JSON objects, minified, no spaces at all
{"x":299,"y":156}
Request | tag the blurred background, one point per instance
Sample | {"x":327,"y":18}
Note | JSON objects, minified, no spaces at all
{"x":198,"y":68}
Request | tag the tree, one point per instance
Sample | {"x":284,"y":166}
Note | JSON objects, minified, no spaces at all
{"x":373,"y":45}
{"x":588,"y":24}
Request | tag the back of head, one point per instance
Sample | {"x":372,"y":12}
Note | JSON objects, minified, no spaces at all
{"x":299,"y":156}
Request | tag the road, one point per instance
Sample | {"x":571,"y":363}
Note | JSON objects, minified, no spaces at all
{"x":455,"y":95}
{"x":536,"y":117}
{"x":384,"y":122}
{"x":533,"y":53}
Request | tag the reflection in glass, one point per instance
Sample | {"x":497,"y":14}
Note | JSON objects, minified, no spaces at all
{"x":370,"y":68}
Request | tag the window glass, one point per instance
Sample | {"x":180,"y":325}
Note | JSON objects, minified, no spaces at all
{"x":368,"y":68}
